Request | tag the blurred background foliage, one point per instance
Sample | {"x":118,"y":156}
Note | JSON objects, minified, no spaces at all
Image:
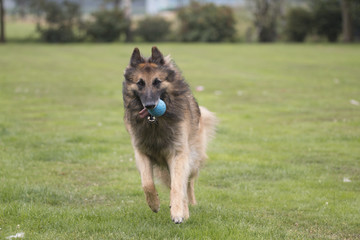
{"x":206,"y":23}
{"x":184,"y":21}
{"x":153,"y":29}
{"x":107,"y":26}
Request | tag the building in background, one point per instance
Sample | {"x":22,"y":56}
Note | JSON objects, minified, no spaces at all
{"x":139,"y":7}
{"x":153,"y":7}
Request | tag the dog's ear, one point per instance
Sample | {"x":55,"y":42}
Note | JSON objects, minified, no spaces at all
{"x":170,"y":75}
{"x":136,"y":58}
{"x":156,"y":56}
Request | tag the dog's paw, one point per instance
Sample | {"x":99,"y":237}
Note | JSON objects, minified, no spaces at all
{"x":153,"y":202}
{"x":155,"y":210}
{"x":155,"y":206}
{"x":177,"y":220}
{"x":177,"y":213}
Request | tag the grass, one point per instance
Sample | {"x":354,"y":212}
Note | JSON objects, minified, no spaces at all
{"x":288,"y":137}
{"x":17,"y":30}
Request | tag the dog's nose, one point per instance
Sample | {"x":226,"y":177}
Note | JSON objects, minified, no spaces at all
{"x":150,"y":106}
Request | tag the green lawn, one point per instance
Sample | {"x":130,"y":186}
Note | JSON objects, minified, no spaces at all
{"x":20,"y":30}
{"x":285,"y":163}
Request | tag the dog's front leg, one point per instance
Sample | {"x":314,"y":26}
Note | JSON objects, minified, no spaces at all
{"x":145,"y":168}
{"x":179,"y":173}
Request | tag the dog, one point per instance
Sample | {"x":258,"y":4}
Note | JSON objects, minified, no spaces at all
{"x":173,"y":146}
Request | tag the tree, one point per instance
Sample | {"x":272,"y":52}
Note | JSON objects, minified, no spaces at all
{"x":34,"y":7}
{"x":206,"y":23}
{"x":266,"y":16}
{"x":108,"y":25}
{"x":61,"y":20}
{"x":355,"y":10}
{"x":347,"y":31}
{"x":116,"y":3}
{"x":327,"y":18}
{"x":126,"y":7}
{"x":127,"y":14}
{"x":298,"y":24}
{"x":21,"y":7}
{"x":2,"y":22}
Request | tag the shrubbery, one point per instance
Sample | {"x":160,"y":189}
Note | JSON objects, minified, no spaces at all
{"x":59,"y":34}
{"x":299,"y":24}
{"x":107,"y":26}
{"x":61,"y":20}
{"x":327,"y":18}
{"x":355,"y":14}
{"x":206,"y":23}
{"x":153,"y":29}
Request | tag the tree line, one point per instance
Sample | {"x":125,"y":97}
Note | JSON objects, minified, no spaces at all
{"x":272,"y":20}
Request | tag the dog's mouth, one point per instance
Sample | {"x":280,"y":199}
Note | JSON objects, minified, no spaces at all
{"x":143,"y":113}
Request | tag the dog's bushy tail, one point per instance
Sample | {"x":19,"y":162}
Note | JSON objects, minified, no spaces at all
{"x":208,"y":123}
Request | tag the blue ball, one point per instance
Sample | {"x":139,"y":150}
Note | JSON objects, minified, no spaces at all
{"x":159,"y":110}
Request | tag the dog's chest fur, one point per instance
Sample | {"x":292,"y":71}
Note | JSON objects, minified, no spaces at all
{"x":157,"y":139}
{"x":161,"y":138}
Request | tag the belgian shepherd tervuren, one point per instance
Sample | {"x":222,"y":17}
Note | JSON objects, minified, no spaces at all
{"x":173,"y":146}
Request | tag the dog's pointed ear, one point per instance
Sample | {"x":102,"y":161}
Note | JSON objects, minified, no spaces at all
{"x":156,"y":56}
{"x":136,"y":58}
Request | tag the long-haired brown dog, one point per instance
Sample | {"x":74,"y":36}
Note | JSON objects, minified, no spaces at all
{"x":172,"y":145}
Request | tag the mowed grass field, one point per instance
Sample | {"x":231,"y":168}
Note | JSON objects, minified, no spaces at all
{"x":285,"y":163}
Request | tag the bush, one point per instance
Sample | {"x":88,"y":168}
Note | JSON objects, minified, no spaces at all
{"x":327,"y":18}
{"x":57,"y":34}
{"x":355,"y":14}
{"x":61,"y":19}
{"x":298,"y":25}
{"x":107,"y":26}
{"x":206,"y":23}
{"x":267,"y":15}
{"x":153,"y":29}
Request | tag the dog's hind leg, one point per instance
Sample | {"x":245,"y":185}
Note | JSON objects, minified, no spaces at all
{"x":190,"y":191}
{"x":145,"y":168}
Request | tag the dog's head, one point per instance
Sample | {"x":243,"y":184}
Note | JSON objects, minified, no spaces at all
{"x":148,"y":79}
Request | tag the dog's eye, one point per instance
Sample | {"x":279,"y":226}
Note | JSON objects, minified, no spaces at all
{"x":156,"y":82}
{"x":140,"y":83}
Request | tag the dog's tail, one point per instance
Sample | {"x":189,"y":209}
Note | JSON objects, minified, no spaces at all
{"x":208,"y":124}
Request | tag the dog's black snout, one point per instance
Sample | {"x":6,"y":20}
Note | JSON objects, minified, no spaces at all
{"x":150,"y":106}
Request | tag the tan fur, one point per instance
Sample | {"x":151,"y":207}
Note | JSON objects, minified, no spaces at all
{"x":174,"y":148}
